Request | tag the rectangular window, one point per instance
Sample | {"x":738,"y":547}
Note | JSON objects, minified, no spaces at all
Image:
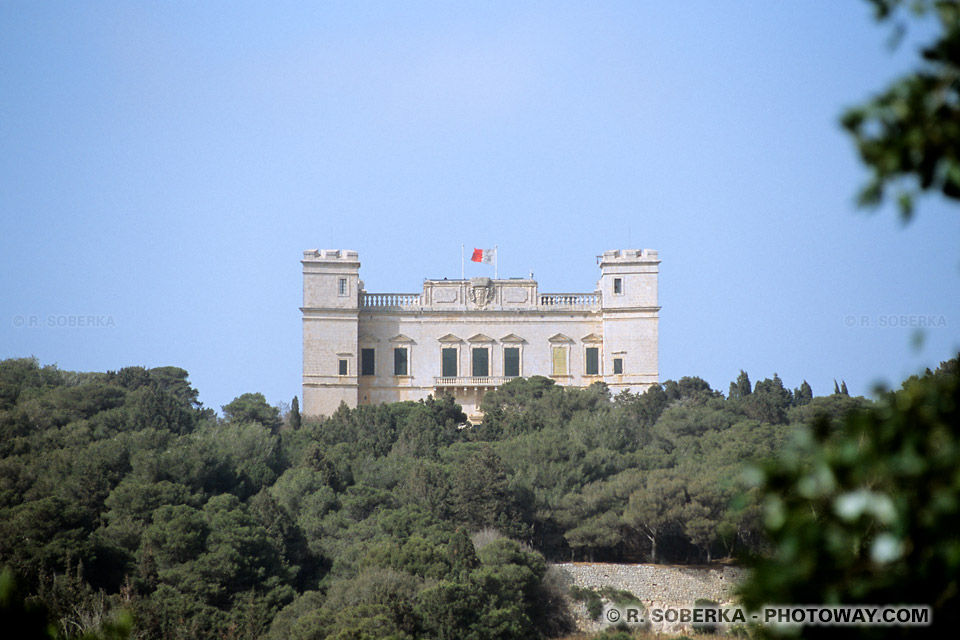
{"x":593,"y":361}
{"x":342,"y":287}
{"x":400,"y":361}
{"x":448,"y":366}
{"x":618,"y":285}
{"x":511,"y":362}
{"x":366,"y":362}
{"x":481,"y":362}
{"x":559,"y":361}
{"x":343,"y":367}
{"x":618,"y":365}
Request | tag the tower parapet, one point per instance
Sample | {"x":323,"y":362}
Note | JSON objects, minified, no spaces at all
{"x":331,"y":303}
{"x":631,"y":318}
{"x":331,"y":279}
{"x":628,"y":278}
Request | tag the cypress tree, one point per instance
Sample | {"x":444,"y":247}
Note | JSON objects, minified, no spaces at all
{"x":741,"y":388}
{"x":804,"y":394}
{"x":295,"y":413}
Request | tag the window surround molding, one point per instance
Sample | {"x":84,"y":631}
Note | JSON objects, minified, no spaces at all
{"x":512,"y":341}
{"x":481,"y":341}
{"x":618,"y":355}
{"x":560,"y":341}
{"x":618,"y":284}
{"x":344,"y":357}
{"x":592,"y":341}
{"x":401,"y":341}
{"x":368,"y":341}
{"x":451,"y":341}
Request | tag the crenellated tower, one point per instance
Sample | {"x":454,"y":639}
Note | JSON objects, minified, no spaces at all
{"x":630,"y":309}
{"x":331,"y":307}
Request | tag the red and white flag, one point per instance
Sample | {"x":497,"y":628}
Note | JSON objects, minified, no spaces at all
{"x":487,"y":256}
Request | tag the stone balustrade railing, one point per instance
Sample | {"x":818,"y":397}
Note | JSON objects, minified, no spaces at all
{"x":570,"y":300}
{"x":558,"y":301}
{"x":471,"y":381}
{"x":390,"y":300}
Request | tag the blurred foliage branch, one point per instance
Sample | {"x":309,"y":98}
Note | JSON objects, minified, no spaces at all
{"x":909,"y":135}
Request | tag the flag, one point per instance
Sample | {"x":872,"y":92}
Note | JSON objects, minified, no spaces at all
{"x":487,"y":256}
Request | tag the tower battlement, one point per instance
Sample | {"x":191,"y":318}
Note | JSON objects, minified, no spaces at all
{"x":330,"y":255}
{"x":629,"y":255}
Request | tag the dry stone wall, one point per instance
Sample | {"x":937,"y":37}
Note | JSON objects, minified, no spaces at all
{"x":657,"y":586}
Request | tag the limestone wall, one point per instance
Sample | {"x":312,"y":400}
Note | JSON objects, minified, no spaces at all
{"x":657,"y":586}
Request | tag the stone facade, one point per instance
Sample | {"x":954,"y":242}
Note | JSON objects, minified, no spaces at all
{"x":466,"y":337}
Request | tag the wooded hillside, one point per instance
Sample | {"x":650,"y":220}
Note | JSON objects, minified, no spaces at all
{"x":118,"y":490}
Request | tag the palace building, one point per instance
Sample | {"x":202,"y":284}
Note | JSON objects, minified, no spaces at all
{"x":466,"y":337}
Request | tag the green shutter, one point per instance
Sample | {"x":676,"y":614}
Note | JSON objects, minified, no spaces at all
{"x":618,"y":365}
{"x":400,"y":361}
{"x":511,"y":362}
{"x":593,"y":361}
{"x":366,"y":362}
{"x":449,"y":364}
{"x":481,"y":363}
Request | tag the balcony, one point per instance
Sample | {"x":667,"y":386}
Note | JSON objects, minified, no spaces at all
{"x":471,"y":381}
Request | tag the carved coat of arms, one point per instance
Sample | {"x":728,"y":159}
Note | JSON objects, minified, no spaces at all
{"x":481,"y":292}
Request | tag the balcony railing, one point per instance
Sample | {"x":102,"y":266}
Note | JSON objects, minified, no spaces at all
{"x":471,"y":381}
{"x":390,"y":300}
{"x":547,"y":301}
{"x":570,"y":300}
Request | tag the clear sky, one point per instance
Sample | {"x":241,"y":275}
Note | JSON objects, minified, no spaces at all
{"x":164,"y":164}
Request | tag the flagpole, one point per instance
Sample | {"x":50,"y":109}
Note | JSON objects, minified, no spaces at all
{"x":461,"y":262}
{"x":496,"y":259}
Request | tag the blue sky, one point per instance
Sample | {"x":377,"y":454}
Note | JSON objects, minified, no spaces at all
{"x":164,"y":165}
